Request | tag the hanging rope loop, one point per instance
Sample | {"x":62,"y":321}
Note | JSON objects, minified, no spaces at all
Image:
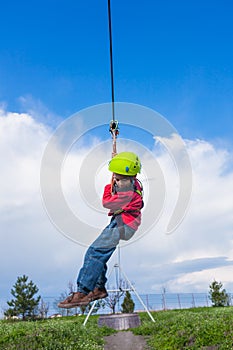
{"x":114,"y":130}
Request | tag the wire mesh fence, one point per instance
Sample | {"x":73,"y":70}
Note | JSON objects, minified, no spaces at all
{"x":168,"y":301}
{"x":153,"y":302}
{"x":173,"y":301}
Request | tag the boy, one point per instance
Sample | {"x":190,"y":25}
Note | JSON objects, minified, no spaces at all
{"x":124,"y":199}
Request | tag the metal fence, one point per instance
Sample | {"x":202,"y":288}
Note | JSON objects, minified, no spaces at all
{"x":153,"y":302}
{"x":166,"y":301}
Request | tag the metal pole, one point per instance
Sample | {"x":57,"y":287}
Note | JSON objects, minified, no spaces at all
{"x":138,"y":296}
{"x":119,"y":264}
{"x":89,"y":313}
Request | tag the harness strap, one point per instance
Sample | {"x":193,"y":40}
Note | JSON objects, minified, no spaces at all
{"x":119,"y":211}
{"x":138,"y":192}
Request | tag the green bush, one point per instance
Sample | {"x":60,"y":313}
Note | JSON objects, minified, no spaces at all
{"x":218,"y":294}
{"x":128,"y":304}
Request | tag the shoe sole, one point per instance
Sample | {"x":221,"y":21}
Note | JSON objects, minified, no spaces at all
{"x":82,"y":303}
{"x":71,"y":305}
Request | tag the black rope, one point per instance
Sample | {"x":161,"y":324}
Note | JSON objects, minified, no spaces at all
{"x":111,"y":59}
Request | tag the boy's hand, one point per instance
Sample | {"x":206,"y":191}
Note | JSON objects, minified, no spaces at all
{"x":124,"y":183}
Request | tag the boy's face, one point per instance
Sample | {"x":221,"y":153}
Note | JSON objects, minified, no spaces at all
{"x":121,"y":180}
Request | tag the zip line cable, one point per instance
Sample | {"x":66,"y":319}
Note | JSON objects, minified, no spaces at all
{"x":113,"y":128}
{"x":111,"y":57}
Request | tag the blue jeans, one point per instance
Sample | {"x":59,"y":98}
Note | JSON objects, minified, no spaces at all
{"x":93,"y":272}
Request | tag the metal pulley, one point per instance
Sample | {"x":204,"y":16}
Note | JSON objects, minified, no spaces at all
{"x":114,"y":127}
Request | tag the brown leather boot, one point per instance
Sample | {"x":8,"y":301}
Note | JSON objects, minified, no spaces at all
{"x":73,"y":300}
{"x":97,"y":293}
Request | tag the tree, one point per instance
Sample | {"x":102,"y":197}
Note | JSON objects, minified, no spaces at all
{"x":86,"y":308}
{"x":218,"y":294}
{"x":24,"y":304}
{"x":10,"y":313}
{"x":64,"y":295}
{"x":43,"y":309}
{"x":128,"y":303}
{"x":164,"y":298}
{"x":112,"y":299}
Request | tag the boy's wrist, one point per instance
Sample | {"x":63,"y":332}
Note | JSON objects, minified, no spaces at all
{"x":123,"y":186}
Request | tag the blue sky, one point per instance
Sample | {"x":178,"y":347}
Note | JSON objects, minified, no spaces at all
{"x":174,"y":57}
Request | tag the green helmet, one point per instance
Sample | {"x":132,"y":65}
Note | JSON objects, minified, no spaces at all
{"x":125,"y":163}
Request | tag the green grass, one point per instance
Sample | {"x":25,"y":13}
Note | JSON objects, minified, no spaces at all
{"x":200,"y":328}
{"x":65,"y":333}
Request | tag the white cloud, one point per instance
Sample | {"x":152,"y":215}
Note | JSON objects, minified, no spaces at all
{"x":21,"y":144}
{"x":194,"y":281}
{"x":206,"y":231}
{"x":36,"y":109}
{"x":200,"y":250}
{"x":29,"y":242}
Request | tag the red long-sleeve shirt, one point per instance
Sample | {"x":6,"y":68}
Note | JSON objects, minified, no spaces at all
{"x":129,"y":201}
